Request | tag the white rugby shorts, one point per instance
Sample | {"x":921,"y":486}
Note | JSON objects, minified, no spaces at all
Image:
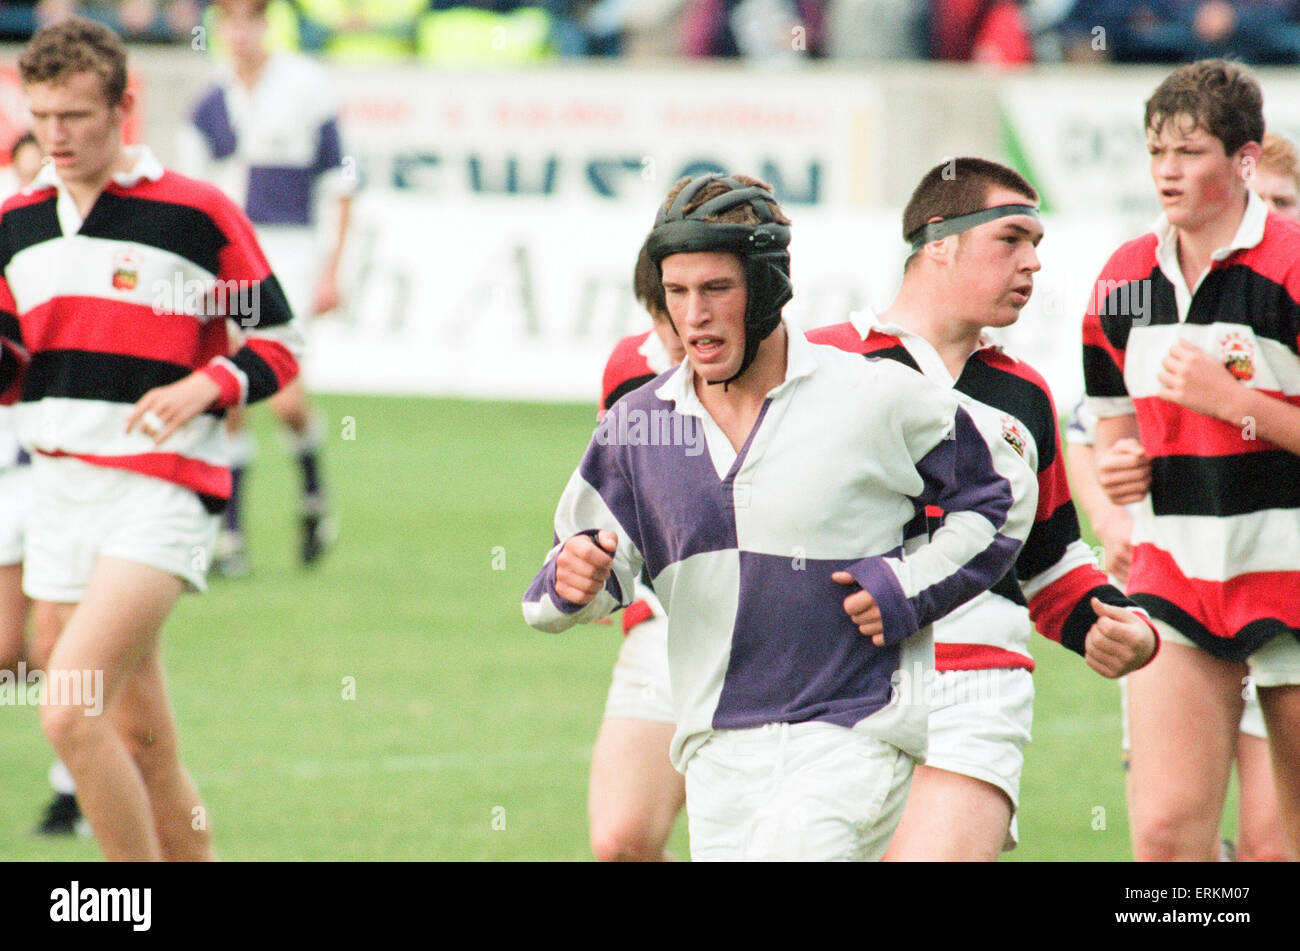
{"x":80,"y":512}
{"x":794,"y":792}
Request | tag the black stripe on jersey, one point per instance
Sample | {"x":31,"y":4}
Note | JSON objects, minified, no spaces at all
{"x":1074,"y":633}
{"x":1047,"y":541}
{"x":897,"y":352}
{"x":1239,"y":295}
{"x":1101,"y":374}
{"x":27,"y":226}
{"x":1008,"y":586}
{"x":1243,"y":643}
{"x":262,"y":381}
{"x":273,"y":306}
{"x":1139,"y":303}
{"x":1225,"y":485}
{"x":178,"y":229}
{"x":85,"y":375}
{"x":10,"y":328}
{"x":8,"y":367}
{"x":1017,"y":397}
{"x":626,"y":387}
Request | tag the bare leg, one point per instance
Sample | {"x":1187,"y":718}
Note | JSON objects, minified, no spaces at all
{"x":635,"y":793}
{"x":1184,"y":714}
{"x":111,"y":633}
{"x":1259,"y":827}
{"x":1281,"y":707}
{"x":950,"y":817}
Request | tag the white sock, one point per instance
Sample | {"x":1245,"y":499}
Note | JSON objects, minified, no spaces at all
{"x":61,"y":780}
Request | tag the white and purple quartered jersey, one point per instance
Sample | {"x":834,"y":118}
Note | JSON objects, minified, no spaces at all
{"x":740,"y":546}
{"x":272,"y":150}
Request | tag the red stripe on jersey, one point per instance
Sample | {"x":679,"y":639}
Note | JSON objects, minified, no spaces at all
{"x":845,"y":336}
{"x":19,"y":200}
{"x":1171,"y":430}
{"x":242,"y":259}
{"x":192,"y":473}
{"x":1222,"y":607}
{"x":101,"y":325}
{"x":625,"y":362}
{"x":1273,"y":258}
{"x":276,"y":356}
{"x":1051,"y":607}
{"x":229,"y":385}
{"x":979,"y":657}
{"x":634,"y":614}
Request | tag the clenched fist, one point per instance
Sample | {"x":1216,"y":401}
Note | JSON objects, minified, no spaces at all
{"x":582,"y":566}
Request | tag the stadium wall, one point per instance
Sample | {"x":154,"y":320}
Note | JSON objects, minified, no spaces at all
{"x":501,"y":211}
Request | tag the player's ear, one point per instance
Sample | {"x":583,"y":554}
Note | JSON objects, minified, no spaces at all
{"x":125,"y":106}
{"x":1247,"y":160}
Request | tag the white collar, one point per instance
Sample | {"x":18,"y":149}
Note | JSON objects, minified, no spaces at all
{"x":866,"y":320}
{"x":144,"y":166}
{"x":679,"y":388}
{"x":1249,"y":233}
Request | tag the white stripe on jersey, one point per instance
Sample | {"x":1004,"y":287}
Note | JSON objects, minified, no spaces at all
{"x":1217,"y":549}
{"x":98,"y":427}
{"x":78,"y":266}
{"x":1274,"y":365}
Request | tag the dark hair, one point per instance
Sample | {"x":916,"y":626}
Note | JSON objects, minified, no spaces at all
{"x":959,"y":186}
{"x":741,"y":214}
{"x":25,"y":139}
{"x":76,"y":45}
{"x":1222,"y":98}
{"x":647,"y":286}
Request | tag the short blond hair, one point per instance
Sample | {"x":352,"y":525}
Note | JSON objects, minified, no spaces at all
{"x":1279,"y":155}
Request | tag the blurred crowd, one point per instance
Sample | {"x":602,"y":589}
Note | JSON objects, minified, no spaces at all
{"x":1001,"y":32}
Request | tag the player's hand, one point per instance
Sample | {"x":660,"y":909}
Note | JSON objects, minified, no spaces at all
{"x":582,"y":566}
{"x":1115,"y":533}
{"x":862,"y":609}
{"x":1192,"y":378}
{"x":165,"y":409}
{"x":1124,"y":471}
{"x":1119,"y":642}
{"x":326,"y":297}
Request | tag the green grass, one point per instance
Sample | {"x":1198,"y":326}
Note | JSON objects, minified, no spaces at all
{"x":469,"y":737}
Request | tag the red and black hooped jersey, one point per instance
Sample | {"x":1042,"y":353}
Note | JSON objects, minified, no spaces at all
{"x":96,"y":313}
{"x":1216,"y":542}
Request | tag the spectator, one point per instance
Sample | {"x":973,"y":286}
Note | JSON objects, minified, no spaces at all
{"x":985,"y":31}
{"x":361,"y":30}
{"x":1259,"y":32}
{"x":769,"y":30}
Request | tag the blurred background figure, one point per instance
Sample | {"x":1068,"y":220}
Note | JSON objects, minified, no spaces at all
{"x":373,"y":31}
{"x":1258,"y":32}
{"x":767,"y":30}
{"x":268,"y":135}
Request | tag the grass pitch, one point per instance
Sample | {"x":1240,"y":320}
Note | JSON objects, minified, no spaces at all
{"x":392,"y":705}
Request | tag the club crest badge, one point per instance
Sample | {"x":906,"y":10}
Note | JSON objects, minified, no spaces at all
{"x":126,"y":271}
{"x":1238,"y":355}
{"x":1014,"y":434}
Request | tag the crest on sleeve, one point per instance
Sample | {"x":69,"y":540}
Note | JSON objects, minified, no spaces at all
{"x":1238,"y":354}
{"x":1014,"y":434}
